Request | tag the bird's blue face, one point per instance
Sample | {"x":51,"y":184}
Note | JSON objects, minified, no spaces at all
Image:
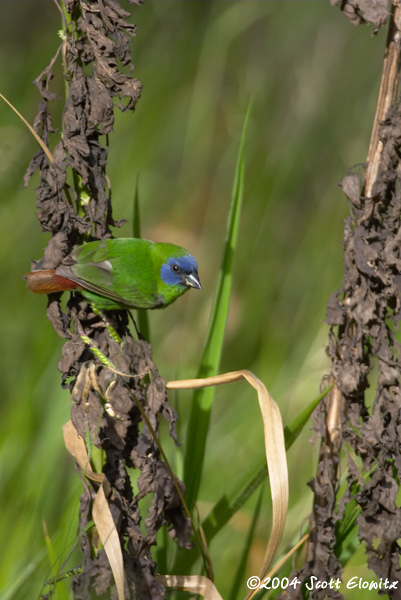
{"x":181,"y":270}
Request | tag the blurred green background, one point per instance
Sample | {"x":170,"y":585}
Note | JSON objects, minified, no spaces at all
{"x":314,"y":81}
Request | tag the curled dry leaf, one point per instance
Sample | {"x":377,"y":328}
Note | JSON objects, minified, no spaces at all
{"x":101,"y":511}
{"x":196,"y":584}
{"x":274,"y":447}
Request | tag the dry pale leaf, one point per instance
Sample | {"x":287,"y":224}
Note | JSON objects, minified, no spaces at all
{"x":101,"y":511}
{"x":274,"y":447}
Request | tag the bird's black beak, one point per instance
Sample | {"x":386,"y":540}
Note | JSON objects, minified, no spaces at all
{"x":192,"y":280}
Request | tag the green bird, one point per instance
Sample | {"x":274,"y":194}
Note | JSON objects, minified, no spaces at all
{"x":122,"y":273}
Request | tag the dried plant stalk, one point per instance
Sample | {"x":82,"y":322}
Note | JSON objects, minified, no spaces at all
{"x":96,"y":59}
{"x":278,"y":475}
{"x":364,"y":316}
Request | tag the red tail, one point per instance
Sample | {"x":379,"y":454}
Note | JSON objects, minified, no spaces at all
{"x":47,"y":282}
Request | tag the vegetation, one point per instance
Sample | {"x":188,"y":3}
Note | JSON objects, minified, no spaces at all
{"x":311,"y":118}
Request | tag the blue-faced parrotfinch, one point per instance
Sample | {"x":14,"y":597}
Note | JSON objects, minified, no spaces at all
{"x":122,"y":273}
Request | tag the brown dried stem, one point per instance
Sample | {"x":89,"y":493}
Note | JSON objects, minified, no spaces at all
{"x":387,"y":95}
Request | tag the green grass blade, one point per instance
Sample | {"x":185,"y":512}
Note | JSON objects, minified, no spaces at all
{"x":142,"y":315}
{"x":239,"y":578}
{"x":349,"y":544}
{"x":11,"y":590}
{"x":246,"y":484}
{"x":203,"y":398}
{"x":347,"y":540}
{"x":235,"y":497}
{"x":136,"y":219}
{"x":61,"y":591}
{"x":292,"y":431}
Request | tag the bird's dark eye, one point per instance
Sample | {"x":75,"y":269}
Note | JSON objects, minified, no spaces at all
{"x":175,"y":268}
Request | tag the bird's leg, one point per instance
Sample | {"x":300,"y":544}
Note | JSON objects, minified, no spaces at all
{"x":138,"y":333}
{"x":134,"y":322}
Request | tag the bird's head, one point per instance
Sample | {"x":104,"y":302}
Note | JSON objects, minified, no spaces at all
{"x":181,"y":270}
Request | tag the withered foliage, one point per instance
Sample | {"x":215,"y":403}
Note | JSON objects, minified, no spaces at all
{"x":364,"y":11}
{"x":95,"y":53}
{"x":364,"y":316}
{"x":367,"y":311}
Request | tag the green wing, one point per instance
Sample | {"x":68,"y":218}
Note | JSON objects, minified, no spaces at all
{"x":120,"y":270}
